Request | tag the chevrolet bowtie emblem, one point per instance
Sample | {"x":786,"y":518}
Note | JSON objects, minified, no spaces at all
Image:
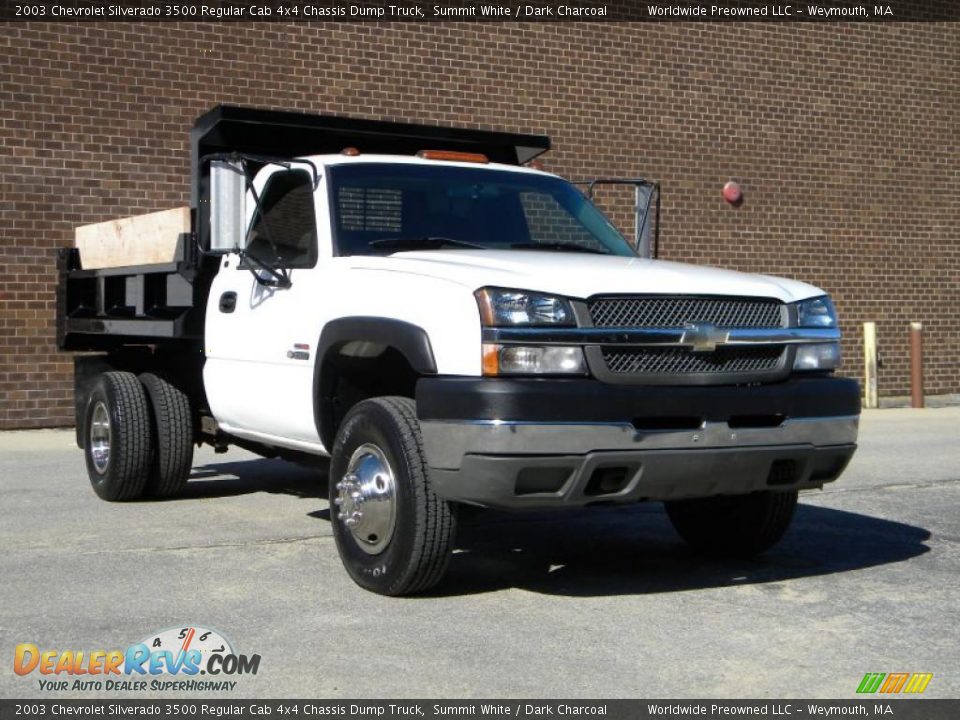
{"x":703,"y":337}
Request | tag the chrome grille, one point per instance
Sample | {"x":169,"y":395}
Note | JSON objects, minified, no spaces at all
{"x":659,"y":311}
{"x":681,"y":361}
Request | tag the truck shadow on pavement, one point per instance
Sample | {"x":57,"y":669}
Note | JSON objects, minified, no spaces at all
{"x":603,"y":550}
{"x":244,"y":477}
{"x":634,"y":550}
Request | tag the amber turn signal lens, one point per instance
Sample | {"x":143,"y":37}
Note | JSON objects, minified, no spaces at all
{"x":491,"y":360}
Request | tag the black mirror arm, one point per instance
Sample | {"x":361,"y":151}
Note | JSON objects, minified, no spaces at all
{"x":256,"y":206}
{"x":281,"y":278}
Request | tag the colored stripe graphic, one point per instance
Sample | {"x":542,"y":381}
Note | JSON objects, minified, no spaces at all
{"x":871,"y":682}
{"x":918,"y":682}
{"x":894,"y":683}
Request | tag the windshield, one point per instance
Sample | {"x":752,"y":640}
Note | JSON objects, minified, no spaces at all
{"x":381,"y":208}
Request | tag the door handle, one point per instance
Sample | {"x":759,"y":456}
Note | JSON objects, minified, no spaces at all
{"x":228,"y":302}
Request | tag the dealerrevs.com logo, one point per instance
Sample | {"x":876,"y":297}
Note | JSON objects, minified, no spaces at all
{"x":166,"y":661}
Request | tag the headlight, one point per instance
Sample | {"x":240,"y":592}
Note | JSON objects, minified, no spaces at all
{"x":816,"y":313}
{"x":500,"y":307}
{"x":533,"y":360}
{"x":820,"y":356}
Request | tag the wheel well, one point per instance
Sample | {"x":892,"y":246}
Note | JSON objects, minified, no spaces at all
{"x":347,"y":378}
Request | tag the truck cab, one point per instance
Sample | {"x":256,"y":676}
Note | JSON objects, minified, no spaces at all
{"x":450,"y":326}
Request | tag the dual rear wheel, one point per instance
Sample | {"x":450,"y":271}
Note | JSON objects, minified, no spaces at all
{"x":139,"y":437}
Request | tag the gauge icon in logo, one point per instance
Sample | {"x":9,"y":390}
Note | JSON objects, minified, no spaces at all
{"x":181,"y":640}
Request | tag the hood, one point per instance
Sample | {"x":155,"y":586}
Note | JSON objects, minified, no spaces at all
{"x":580,"y":275}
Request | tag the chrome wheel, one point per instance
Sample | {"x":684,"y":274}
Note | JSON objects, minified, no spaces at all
{"x":100,"y":438}
{"x":367,"y":499}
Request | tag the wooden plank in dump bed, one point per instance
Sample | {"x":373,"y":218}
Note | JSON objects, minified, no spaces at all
{"x":137,"y":240}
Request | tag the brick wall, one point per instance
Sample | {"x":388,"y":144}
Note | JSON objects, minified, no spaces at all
{"x":845,"y":139}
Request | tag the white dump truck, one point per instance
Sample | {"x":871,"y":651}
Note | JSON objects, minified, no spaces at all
{"x":450,"y":326}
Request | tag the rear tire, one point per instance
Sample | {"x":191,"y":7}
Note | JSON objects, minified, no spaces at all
{"x":118,"y":442}
{"x":733,"y":525}
{"x":173,"y":428}
{"x":393,"y":533}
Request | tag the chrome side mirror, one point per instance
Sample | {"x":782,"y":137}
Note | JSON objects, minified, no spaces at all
{"x":228,"y":193}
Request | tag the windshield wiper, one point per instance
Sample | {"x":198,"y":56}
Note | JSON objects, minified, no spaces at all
{"x":566,"y":247}
{"x":429,"y":242}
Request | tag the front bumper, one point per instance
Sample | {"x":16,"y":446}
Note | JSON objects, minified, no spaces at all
{"x":560,"y":443}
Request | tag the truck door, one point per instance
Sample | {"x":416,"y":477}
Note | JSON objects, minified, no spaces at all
{"x":260,"y":329}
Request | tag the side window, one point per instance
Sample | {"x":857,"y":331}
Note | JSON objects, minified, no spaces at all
{"x":284,"y":227}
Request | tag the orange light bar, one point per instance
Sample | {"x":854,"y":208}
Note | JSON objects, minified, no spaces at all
{"x":350,"y":152}
{"x":453,"y":156}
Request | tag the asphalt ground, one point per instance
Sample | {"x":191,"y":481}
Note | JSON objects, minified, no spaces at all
{"x":600,"y":603}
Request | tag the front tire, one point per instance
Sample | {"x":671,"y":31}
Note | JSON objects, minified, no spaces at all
{"x":733,"y":525}
{"x":393,"y":533}
{"x":119,"y":438}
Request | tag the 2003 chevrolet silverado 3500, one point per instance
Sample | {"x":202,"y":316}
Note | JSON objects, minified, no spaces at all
{"x":450,"y":326}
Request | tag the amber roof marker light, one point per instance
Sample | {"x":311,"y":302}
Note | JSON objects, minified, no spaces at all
{"x":453,"y":156}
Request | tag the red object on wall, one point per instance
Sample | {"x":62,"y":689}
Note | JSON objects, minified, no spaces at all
{"x":732,"y":193}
